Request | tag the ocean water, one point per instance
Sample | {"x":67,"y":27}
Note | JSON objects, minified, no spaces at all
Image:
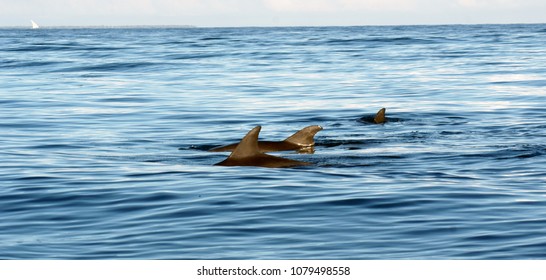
{"x":104,"y":136}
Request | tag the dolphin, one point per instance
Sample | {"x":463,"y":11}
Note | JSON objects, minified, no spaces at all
{"x":301,"y":141}
{"x":247,"y":153}
{"x":379,"y":118}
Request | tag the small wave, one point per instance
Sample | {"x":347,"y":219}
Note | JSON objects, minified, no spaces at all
{"x":198,"y":147}
{"x":528,"y":151}
{"x":378,"y":203}
{"x":37,"y":178}
{"x":193,"y":56}
{"x":529,"y":83}
{"x":70,"y":46}
{"x":493,"y":63}
{"x":175,"y":43}
{"x":101,"y":48}
{"x":26,"y":64}
{"x":514,"y":152}
{"x":57,"y":147}
{"x":334,"y":143}
{"x":108,"y":67}
{"x":126,"y":100}
{"x":212,"y":39}
{"x":38,"y":48}
{"x":454,"y":54}
{"x":386,"y":40}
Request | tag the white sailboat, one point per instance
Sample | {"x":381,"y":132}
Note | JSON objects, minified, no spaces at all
{"x":34,"y":25}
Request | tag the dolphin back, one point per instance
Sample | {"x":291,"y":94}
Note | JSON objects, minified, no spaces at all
{"x":247,"y":153}
{"x":380,"y":116}
{"x":248,"y":146}
{"x":304,"y":137}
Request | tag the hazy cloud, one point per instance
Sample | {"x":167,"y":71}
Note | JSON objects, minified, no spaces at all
{"x":268,"y":12}
{"x":507,"y":4}
{"x":339,"y":5}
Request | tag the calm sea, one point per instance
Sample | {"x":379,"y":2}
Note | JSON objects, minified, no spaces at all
{"x":104,"y":136}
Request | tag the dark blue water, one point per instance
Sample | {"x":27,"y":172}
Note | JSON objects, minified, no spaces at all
{"x":104,"y":136}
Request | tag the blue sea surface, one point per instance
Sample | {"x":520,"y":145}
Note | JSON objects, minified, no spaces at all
{"x":104,"y":137}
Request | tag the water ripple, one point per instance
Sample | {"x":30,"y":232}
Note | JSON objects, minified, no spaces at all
{"x":106,"y":132}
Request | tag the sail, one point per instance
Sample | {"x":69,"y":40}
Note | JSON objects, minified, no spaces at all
{"x":34,"y":25}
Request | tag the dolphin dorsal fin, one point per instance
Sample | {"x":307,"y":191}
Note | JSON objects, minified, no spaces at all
{"x":248,"y":146}
{"x":305,"y":137}
{"x":380,"y":116}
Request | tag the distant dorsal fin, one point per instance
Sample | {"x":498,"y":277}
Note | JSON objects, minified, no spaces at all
{"x":305,"y":137}
{"x":248,"y":146}
{"x":380,"y":116}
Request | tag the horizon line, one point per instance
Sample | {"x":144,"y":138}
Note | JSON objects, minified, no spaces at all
{"x":255,"y":26}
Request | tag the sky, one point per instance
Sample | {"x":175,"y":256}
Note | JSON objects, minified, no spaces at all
{"x":218,"y":13}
